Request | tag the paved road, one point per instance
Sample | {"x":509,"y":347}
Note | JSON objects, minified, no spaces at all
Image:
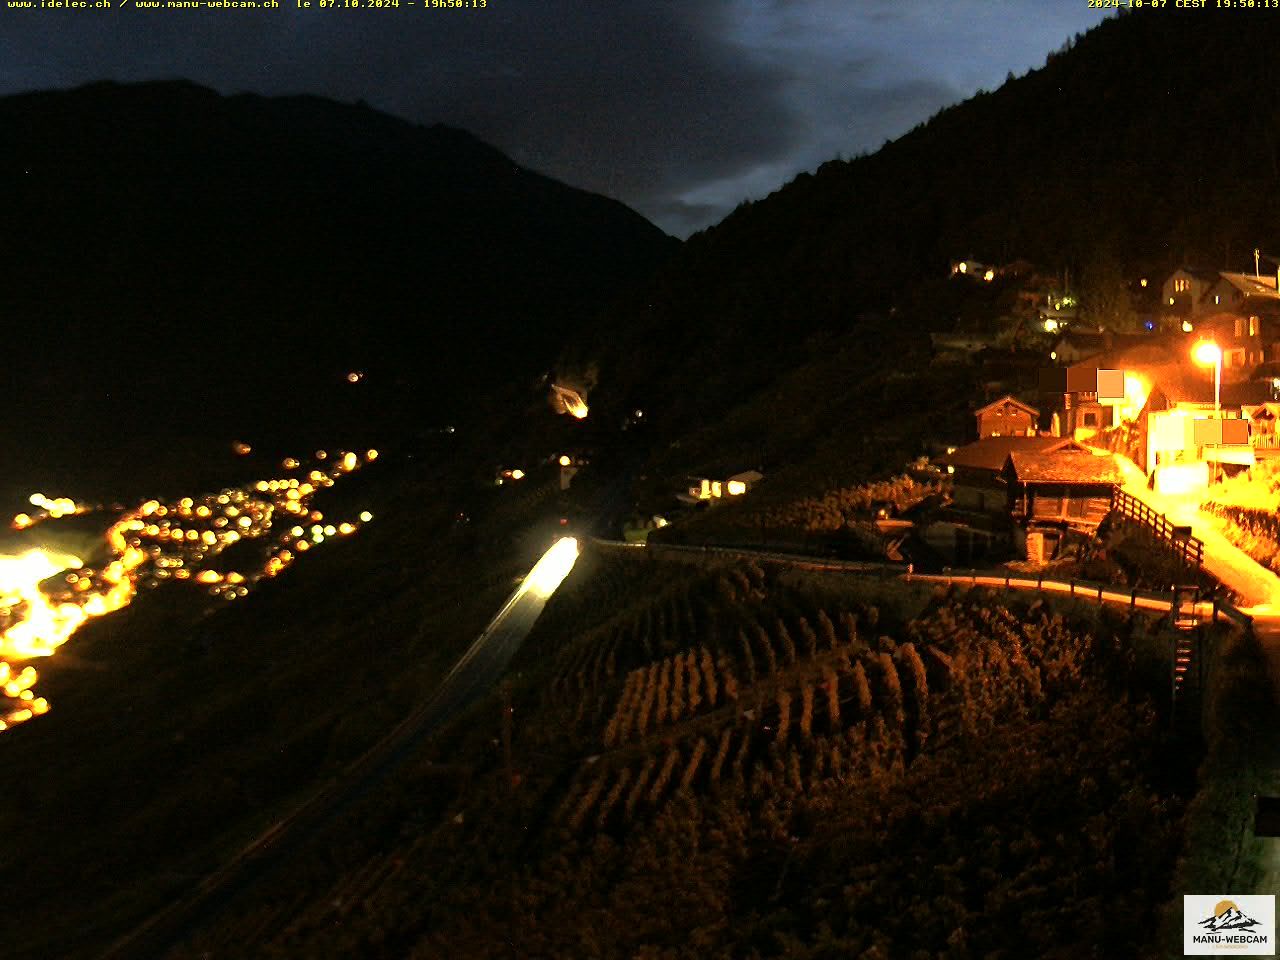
{"x":1258,"y":586}
{"x":474,"y":674}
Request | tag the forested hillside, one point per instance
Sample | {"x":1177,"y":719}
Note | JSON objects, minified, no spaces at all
{"x":1129,"y":153}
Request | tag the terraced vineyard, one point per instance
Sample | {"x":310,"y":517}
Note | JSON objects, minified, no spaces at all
{"x":733,"y":761}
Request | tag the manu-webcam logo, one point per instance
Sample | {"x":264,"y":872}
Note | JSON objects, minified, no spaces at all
{"x":1241,"y":925}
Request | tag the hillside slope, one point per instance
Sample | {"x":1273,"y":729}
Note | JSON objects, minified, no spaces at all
{"x":179,"y":252}
{"x":1137,"y":149}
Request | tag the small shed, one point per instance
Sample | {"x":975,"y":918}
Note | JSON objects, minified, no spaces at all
{"x":976,"y":469}
{"x":1065,"y":488}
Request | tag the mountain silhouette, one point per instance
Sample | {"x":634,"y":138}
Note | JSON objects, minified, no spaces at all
{"x":180,"y":262}
{"x":1230,"y":919}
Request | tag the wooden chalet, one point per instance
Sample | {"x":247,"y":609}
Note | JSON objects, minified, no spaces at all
{"x":977,"y":524}
{"x":1063,"y":488}
{"x":977,"y":469}
{"x":1007,"y":417}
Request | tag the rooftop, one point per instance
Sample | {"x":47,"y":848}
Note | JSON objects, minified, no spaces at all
{"x":990,"y":453}
{"x":1063,"y":466}
{"x":1253,"y":286}
{"x":1008,"y":398}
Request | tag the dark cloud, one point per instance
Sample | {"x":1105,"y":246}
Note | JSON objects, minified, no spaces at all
{"x":681,"y":109}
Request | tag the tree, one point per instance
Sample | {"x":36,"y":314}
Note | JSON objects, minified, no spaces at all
{"x":1104,"y":295}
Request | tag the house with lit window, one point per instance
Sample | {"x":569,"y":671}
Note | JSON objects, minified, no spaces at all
{"x":1241,"y":293}
{"x":1247,"y":340}
{"x":973,"y":269}
{"x":709,"y":490}
{"x":1190,"y":438}
{"x":1183,"y":292}
{"x":1083,"y":410}
{"x":1007,"y":417}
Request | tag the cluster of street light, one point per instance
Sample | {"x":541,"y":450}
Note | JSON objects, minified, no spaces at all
{"x":45,"y":596}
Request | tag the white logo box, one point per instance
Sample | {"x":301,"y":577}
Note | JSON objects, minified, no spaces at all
{"x":1218,"y":925}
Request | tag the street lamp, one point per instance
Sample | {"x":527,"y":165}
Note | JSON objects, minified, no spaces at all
{"x":1209,"y":354}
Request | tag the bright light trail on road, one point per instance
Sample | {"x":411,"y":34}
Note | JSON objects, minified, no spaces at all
{"x":549,"y":572}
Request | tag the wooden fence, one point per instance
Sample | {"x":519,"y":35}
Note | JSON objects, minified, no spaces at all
{"x":1186,"y":548}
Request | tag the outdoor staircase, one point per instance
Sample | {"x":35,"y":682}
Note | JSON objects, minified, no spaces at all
{"x":1187,"y":622}
{"x":1182,"y":654}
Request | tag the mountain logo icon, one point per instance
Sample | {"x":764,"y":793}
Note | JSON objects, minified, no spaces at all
{"x":1228,"y":924}
{"x":1227,"y":916}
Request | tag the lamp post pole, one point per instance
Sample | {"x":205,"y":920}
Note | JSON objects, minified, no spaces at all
{"x":1217,"y":385}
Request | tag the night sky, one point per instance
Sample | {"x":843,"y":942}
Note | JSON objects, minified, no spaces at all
{"x":680,"y":109}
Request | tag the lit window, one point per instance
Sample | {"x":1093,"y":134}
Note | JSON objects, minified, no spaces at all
{"x":1239,"y":327}
{"x":1217,"y":298}
{"x":1253,"y":326}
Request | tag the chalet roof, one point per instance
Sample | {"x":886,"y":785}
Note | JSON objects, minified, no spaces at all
{"x":1007,"y":398}
{"x":1179,"y":383}
{"x":990,"y":453}
{"x":748,"y":476}
{"x":1253,"y":286}
{"x":1148,"y":356}
{"x":1186,"y":384}
{"x":1062,"y":466}
{"x":1095,"y":344}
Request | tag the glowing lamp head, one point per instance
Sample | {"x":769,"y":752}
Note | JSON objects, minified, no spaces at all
{"x":564,"y":460}
{"x":1206,"y":353}
{"x":1187,"y":326}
